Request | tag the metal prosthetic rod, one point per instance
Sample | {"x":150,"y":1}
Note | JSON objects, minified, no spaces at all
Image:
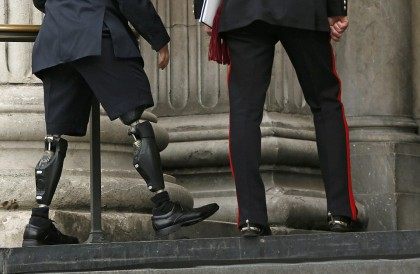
{"x":49,"y":168}
{"x":146,"y":156}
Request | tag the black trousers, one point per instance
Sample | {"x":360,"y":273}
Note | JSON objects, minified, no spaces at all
{"x":252,"y":53}
{"x":120,"y":85}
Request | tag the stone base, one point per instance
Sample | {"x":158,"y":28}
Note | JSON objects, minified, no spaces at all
{"x":408,"y":266}
{"x":119,"y":227}
{"x":124,"y":227}
{"x":12,"y":224}
{"x":386,"y":181}
{"x":328,"y":253}
{"x":385,"y":172}
{"x":295,"y":196}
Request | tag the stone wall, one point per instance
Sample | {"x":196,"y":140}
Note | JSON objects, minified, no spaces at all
{"x":415,"y":49}
{"x":378,"y":61}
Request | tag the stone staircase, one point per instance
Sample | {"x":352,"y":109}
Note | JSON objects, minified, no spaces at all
{"x":368,"y":252}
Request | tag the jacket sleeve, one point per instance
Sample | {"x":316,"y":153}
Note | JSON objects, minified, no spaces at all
{"x":198,"y":6}
{"x":144,"y":18}
{"x":40,"y":4}
{"x":337,"y":7}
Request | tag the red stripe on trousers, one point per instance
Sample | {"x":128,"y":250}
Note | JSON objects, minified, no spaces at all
{"x":232,"y":168}
{"x":346,"y":128}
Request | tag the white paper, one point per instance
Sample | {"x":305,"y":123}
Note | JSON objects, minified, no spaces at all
{"x":209,"y":11}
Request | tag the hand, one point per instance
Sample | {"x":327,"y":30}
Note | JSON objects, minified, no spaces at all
{"x":338,"y":25}
{"x":208,"y":30}
{"x":164,"y":57}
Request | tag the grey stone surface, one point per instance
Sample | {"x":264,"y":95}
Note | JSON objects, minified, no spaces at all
{"x":409,"y":266}
{"x":385,"y":179}
{"x":374,"y":61}
{"x":119,"y":191}
{"x":415,"y":46}
{"x":3,"y":257}
{"x":12,"y":224}
{"x":295,"y":249}
{"x":125,"y":227}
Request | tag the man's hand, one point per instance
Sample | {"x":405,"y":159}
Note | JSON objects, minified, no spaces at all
{"x":163,"y":57}
{"x":338,"y":25}
{"x":208,"y":30}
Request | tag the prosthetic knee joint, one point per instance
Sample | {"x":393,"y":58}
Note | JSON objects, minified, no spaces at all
{"x":49,"y":168}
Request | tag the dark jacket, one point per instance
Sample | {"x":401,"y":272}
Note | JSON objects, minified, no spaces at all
{"x":72,"y":29}
{"x":303,"y":14}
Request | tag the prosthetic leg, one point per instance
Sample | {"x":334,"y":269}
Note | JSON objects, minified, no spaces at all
{"x":49,"y":168}
{"x":146,"y":158}
{"x":41,"y":230}
{"x":168,"y":216}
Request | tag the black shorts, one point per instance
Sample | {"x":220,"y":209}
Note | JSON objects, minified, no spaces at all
{"x":120,"y":85}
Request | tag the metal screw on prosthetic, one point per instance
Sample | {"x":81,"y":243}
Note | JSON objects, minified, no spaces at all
{"x":146,"y":155}
{"x":49,"y":168}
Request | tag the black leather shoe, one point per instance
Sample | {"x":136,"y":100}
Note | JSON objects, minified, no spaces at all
{"x":170,"y":222}
{"x":344,"y":224}
{"x":49,"y":235}
{"x":253,"y":230}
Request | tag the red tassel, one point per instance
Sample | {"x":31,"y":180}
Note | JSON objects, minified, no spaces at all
{"x":218,"y":49}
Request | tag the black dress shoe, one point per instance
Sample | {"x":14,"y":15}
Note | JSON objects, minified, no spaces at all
{"x":170,"y":222}
{"x":48,"y":235}
{"x":344,"y":224}
{"x":253,"y":230}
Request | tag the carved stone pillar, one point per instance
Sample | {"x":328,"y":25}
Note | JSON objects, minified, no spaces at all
{"x":415,"y":48}
{"x":375,"y":62}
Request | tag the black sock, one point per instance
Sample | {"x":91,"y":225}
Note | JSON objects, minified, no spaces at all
{"x":40,"y":212}
{"x":162,"y":202}
{"x":39,"y":217}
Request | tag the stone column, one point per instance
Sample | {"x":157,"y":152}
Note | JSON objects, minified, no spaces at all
{"x":375,"y":63}
{"x":415,"y":48}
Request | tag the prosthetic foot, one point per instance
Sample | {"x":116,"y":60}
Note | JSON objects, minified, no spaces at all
{"x":168,"y":216}
{"x":146,"y":156}
{"x":41,"y":230}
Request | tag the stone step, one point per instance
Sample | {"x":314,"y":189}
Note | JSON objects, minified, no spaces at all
{"x":406,"y":266}
{"x":328,"y":251}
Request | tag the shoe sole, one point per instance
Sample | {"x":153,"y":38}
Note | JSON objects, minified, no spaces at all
{"x":193,"y":222}
{"x":168,"y":230}
{"x":174,"y":228}
{"x":250,"y":235}
{"x":30,"y":243}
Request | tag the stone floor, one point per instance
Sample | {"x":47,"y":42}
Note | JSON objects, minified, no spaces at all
{"x":368,"y":252}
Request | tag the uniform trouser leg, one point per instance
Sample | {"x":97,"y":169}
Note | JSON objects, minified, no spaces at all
{"x":250,"y":73}
{"x":313,"y":59}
